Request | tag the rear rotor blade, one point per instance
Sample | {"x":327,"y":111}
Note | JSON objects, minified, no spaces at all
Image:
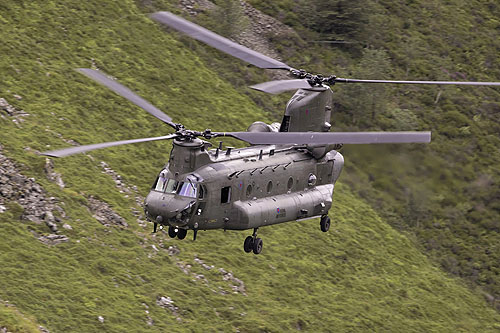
{"x":218,"y":42}
{"x":324,"y":138}
{"x":279,"y":86}
{"x":127,"y":93}
{"x":82,"y":149}
{"x":462,"y":83}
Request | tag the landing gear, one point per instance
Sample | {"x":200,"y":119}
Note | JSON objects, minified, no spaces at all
{"x":324,"y":223}
{"x":257,"y":245}
{"x":253,"y":243}
{"x":181,"y":233}
{"x":176,"y":232}
{"x":248,"y":244}
{"x":172,"y":232}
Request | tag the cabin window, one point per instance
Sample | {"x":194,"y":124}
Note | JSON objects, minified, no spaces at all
{"x":225,"y":194}
{"x":311,"y":181}
{"x":289,"y":185}
{"x":269,"y":186}
{"x":249,"y":190}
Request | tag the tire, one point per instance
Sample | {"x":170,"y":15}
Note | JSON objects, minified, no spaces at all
{"x":171,"y":232}
{"x":181,"y":234}
{"x":248,"y":244}
{"x":325,"y":223}
{"x":257,"y":245}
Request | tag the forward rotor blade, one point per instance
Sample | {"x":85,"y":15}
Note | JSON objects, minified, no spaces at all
{"x":279,"y":86}
{"x":217,"y":41}
{"x":324,"y":138}
{"x":462,"y":83}
{"x":127,"y":93}
{"x":82,"y":149}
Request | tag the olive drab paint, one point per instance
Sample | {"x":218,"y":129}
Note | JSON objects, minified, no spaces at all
{"x":252,"y":187}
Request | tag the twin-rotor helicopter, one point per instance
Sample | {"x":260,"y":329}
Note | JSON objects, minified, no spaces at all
{"x":288,"y":173}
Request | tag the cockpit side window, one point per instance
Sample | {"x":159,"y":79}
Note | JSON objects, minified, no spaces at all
{"x":187,"y":189}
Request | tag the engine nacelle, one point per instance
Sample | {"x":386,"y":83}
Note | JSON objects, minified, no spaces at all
{"x":260,"y":126}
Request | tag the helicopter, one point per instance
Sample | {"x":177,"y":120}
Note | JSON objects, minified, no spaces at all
{"x":288,"y":173}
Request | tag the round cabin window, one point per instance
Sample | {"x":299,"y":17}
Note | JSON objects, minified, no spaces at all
{"x":289,"y":185}
{"x":249,"y":190}
{"x":269,"y":186}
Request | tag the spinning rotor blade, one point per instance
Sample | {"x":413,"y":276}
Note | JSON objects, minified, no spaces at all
{"x":218,"y":42}
{"x":279,"y":86}
{"x":461,"y":83}
{"x":127,"y":93}
{"x":324,"y":138}
{"x":82,"y":149}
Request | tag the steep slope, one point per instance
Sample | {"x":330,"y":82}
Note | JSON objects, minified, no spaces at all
{"x":445,"y":193}
{"x":91,"y":264}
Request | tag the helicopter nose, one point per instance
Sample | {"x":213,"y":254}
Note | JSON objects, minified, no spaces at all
{"x":168,"y":208}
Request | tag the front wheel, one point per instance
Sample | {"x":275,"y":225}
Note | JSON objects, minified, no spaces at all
{"x":181,"y":234}
{"x":172,"y":232}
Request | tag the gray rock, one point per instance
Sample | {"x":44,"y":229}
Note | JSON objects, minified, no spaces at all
{"x":173,"y":250}
{"x":53,"y":239}
{"x":48,"y":216}
{"x":51,"y":174}
{"x":43,"y":329}
{"x":167,"y":303}
{"x":103,"y":213}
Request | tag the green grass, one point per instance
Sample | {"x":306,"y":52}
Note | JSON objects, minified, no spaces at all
{"x":15,"y":321}
{"x":447,"y":191}
{"x":361,"y":275}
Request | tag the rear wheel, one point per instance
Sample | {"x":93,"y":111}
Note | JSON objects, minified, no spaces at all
{"x":324,"y":223}
{"x":257,"y":245}
{"x":172,"y":232}
{"x":248,"y":244}
{"x":181,"y":234}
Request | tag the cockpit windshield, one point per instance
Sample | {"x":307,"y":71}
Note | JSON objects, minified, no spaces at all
{"x":165,"y":184}
{"x":187,"y":188}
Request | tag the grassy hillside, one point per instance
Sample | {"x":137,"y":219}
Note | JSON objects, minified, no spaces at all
{"x":362,"y":275}
{"x":445,"y":193}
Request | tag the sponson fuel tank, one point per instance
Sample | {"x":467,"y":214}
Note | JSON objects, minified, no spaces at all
{"x":281,"y":208}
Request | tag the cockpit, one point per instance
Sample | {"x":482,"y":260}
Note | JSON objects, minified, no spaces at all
{"x":185,"y":188}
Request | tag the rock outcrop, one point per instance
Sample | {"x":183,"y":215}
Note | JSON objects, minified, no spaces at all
{"x":37,"y":206}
